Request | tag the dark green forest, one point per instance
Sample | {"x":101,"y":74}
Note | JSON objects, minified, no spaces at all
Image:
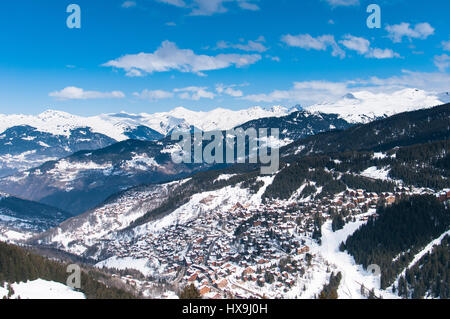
{"x":19,"y":265}
{"x":400,"y":231}
{"x":430,"y":277}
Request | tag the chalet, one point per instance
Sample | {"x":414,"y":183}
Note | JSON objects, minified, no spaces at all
{"x":222,"y":284}
{"x":248,"y":271}
{"x":204,"y":290}
{"x":193,"y":277}
{"x":390,"y":200}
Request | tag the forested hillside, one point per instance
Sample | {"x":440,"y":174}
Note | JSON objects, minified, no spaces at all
{"x":397,"y":234}
{"x":430,"y":277}
{"x":19,"y":265}
{"x":399,"y":130}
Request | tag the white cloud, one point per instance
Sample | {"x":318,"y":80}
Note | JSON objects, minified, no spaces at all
{"x":128,"y":4}
{"x":210,"y":7}
{"x":194,"y":93}
{"x":312,"y":92}
{"x":307,"y":42}
{"x":229,"y":90}
{"x":177,"y":3}
{"x":429,"y":81}
{"x":344,"y":3}
{"x":398,"y":31}
{"x":250,"y":46}
{"x":446,"y":45}
{"x":442,"y":62}
{"x":306,"y":92}
{"x":382,"y":54}
{"x":169,"y":57}
{"x":362,"y":46}
{"x":247,"y":5}
{"x":359,"y":45}
{"x":273,"y":58}
{"x":74,"y":93}
{"x":154,"y":95}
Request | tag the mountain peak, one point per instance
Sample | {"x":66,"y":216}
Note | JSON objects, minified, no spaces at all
{"x":350,"y":96}
{"x":366,"y":106}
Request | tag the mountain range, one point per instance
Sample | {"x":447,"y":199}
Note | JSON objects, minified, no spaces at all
{"x":19,"y":217}
{"x":224,"y":216}
{"x":121,"y":202}
{"x":84,"y":179}
{"x":27,"y":141}
{"x":140,"y":205}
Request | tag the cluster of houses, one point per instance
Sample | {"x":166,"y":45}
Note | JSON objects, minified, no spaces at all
{"x":234,"y":253}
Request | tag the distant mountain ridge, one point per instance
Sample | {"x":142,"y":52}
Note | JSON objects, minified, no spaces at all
{"x":27,"y":216}
{"x":28,"y":141}
{"x":365,"y":106}
{"x":80,"y":181}
{"x":24,"y":147}
{"x":327,"y":170}
{"x":399,"y":130}
{"x":119,"y":125}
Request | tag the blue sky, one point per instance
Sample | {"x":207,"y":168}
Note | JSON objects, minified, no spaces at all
{"x":155,"y":55}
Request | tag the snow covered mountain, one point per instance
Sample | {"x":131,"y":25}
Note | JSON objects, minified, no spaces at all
{"x":24,"y":147}
{"x":364,"y":106}
{"x":83,"y":180}
{"x":219,"y":188}
{"x":21,"y":218}
{"x":119,"y":126}
{"x":81,"y":233}
{"x":402,"y":129}
{"x":28,"y":141}
{"x":86,"y":178}
{"x":232,"y":221}
{"x":300,"y":124}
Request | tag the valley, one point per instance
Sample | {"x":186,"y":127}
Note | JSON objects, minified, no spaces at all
{"x":233,"y":232}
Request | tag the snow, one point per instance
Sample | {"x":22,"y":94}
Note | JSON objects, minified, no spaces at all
{"x":365,"y":106}
{"x":43,"y":144}
{"x":200,"y":203}
{"x":274,"y":143}
{"x":379,"y":155}
{"x":4,"y":195}
{"x":116,"y":125}
{"x":298,"y":192}
{"x":224,"y":177}
{"x":41,"y":289}
{"x":126,"y":263}
{"x":8,"y":235}
{"x":65,"y":171}
{"x":105,"y":219}
{"x":376,"y":173}
{"x":428,"y":248}
{"x":353,"y":275}
{"x":140,"y":162}
{"x":224,"y":119}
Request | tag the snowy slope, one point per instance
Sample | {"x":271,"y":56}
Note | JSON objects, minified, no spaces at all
{"x":364,"y":106}
{"x":224,"y":119}
{"x":76,"y":235}
{"x":428,"y":249}
{"x":353,"y":275}
{"x":200,"y":205}
{"x":41,"y":289}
